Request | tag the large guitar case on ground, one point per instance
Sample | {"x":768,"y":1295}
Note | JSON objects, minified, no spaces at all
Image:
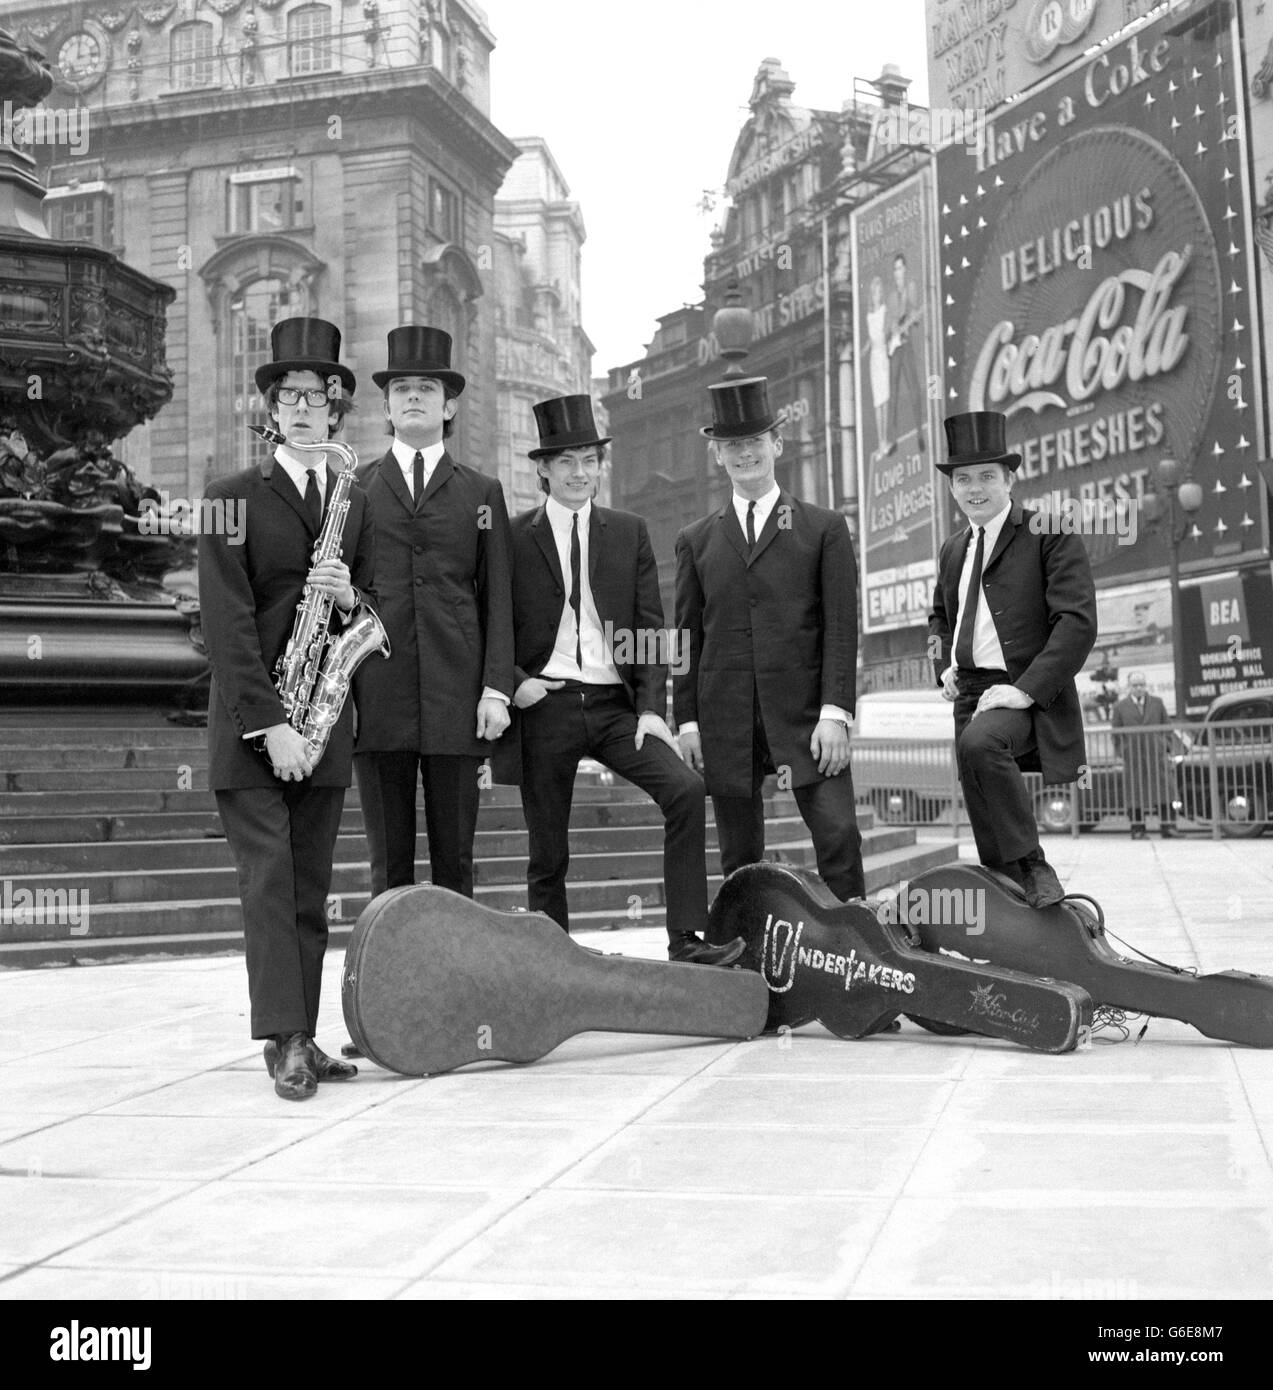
{"x":840,"y":964}
{"x":1068,"y":941}
{"x":433,"y":981}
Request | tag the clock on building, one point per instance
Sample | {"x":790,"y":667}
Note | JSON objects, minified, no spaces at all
{"x":81,"y":59}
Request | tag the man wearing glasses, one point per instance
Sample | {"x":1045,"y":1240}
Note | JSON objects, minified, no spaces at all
{"x":280,"y":810}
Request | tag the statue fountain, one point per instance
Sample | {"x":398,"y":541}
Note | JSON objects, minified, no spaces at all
{"x":83,"y":544}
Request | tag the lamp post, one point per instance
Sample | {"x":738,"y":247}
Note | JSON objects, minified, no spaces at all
{"x":1187,"y":496}
{"x":731,"y":327}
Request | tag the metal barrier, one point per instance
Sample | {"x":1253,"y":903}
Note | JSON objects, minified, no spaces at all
{"x":1176,"y":774}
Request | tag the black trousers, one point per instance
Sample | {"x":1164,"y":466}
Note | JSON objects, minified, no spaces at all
{"x":599,"y":722}
{"x":827,"y":806}
{"x":387,"y":790}
{"x":1000,"y":810}
{"x":283,"y":838}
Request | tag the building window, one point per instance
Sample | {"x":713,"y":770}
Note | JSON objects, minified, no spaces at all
{"x":444,"y":212}
{"x":309,"y":39}
{"x":193,"y":62}
{"x":270,"y":205}
{"x":83,"y":217}
{"x":253,"y":312}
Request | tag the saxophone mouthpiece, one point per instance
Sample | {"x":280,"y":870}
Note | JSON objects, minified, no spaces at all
{"x":270,"y":436}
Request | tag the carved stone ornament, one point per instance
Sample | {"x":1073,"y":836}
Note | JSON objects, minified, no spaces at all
{"x":114,"y":20}
{"x":157,"y":14}
{"x":225,"y":6}
{"x":40,"y":29}
{"x":1263,"y":78}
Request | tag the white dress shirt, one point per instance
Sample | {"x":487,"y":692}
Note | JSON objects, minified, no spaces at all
{"x":987,"y":652}
{"x":405,"y":455}
{"x":598,"y":661}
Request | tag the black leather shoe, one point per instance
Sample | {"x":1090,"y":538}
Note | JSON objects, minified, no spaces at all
{"x":1138,"y":832}
{"x":1042,"y":887}
{"x":695,"y":950}
{"x":351,"y":1050}
{"x":295,"y":1069}
{"x":1169,"y":832}
{"x":327,"y":1068}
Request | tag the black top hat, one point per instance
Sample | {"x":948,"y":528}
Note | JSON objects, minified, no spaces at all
{"x":740,"y":409}
{"x":304,"y":345}
{"x":419,"y":351}
{"x":565,"y":422}
{"x":977,"y":437}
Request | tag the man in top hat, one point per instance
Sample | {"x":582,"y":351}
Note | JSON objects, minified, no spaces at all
{"x":281,"y":812}
{"x":592,"y":677}
{"x":1013,"y":620}
{"x":766,"y":594}
{"x":435,"y":707}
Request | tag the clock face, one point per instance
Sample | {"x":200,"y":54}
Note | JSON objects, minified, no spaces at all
{"x":81,"y":59}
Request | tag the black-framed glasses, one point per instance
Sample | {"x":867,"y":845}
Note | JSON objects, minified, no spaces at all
{"x":290,"y":395}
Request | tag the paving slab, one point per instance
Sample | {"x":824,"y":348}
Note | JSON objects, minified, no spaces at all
{"x":143,"y":1154}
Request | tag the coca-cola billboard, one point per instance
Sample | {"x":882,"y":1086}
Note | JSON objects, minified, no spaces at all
{"x":1098,"y":286}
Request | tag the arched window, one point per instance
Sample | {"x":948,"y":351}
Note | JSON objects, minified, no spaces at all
{"x":309,"y":42}
{"x":253,"y":311}
{"x":193,"y":61}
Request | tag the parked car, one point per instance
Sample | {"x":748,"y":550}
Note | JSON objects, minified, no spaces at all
{"x":904,"y":765}
{"x":1225,"y":773}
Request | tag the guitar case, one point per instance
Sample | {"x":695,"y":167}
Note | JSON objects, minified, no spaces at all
{"x":839,"y":964}
{"x":1068,"y":941}
{"x":433,"y":981}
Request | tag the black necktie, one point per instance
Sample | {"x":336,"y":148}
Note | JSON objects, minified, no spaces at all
{"x":968,"y":618}
{"x":417,"y":477}
{"x":574,"y":587}
{"x":751,"y":526}
{"x":313,"y":501}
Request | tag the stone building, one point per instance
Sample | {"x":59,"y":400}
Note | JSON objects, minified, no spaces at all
{"x":541,"y":347}
{"x":269,"y":158}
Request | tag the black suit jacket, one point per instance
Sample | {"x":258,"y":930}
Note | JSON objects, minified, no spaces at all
{"x":1039,"y":587}
{"x":442,"y":573}
{"x":624,"y":579}
{"x":783,"y":622}
{"x":248,"y":596}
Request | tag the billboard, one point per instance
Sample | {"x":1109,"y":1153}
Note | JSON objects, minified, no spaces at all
{"x":1226,"y":623}
{"x":1098,"y":287}
{"x":898,"y":389}
{"x":982,"y":53}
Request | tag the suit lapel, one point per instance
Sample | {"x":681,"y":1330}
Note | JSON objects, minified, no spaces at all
{"x":276,"y":477}
{"x":441,"y":475}
{"x":728,"y":520}
{"x":595,"y":523}
{"x":1006,"y":533}
{"x":391,"y":476}
{"x":541,"y":529}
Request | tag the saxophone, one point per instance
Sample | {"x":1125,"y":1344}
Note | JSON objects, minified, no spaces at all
{"x":317,"y":667}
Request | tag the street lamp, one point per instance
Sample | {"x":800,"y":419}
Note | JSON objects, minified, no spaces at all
{"x":1188,"y":497}
{"x":731,"y":327}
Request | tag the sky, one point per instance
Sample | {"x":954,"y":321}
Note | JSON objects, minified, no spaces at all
{"x":641,"y":105}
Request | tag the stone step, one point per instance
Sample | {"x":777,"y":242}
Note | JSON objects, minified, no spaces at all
{"x":217,"y":921}
{"x":215,"y":877}
{"x":107,"y":822}
{"x":490,"y":846}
